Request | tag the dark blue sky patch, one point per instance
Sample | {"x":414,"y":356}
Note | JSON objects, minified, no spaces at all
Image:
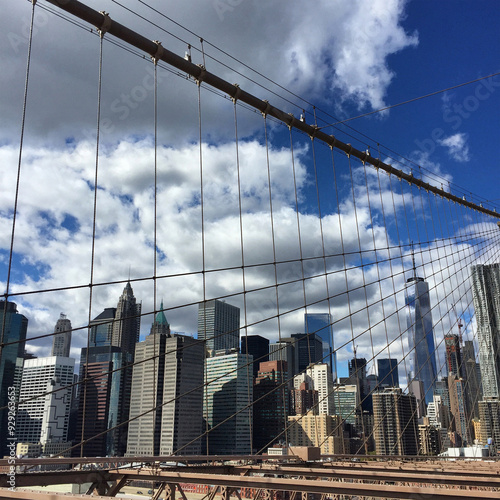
{"x":70,"y":223}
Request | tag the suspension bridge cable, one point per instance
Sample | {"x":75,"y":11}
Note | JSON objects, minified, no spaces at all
{"x":437,"y":92}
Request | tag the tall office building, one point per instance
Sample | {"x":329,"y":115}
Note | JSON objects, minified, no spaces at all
{"x":453,"y":355}
{"x":45,"y":418}
{"x":421,"y":336}
{"x":486,"y":298}
{"x":429,"y":439}
{"x":258,"y":347}
{"x":101,"y":402}
{"x":388,"y":372}
{"x":416,"y":389}
{"x":227,"y":403}
{"x":284,"y":351}
{"x":270,"y":405}
{"x":358,"y":376}
{"x":395,"y":422}
{"x":438,"y":413}
{"x":319,"y":377}
{"x":303,"y":400}
{"x":468,"y":351}
{"x":61,"y":342}
{"x":11,"y":362}
{"x":348,"y":404}
{"x":473,"y":387}
{"x":127,"y":321}
{"x":105,"y":401}
{"x":308,"y":350}
{"x":489,"y":414}
{"x":321,"y":325}
{"x":460,"y":409}
{"x":167,"y":376}
{"x":101,"y":328}
{"x":219,"y":325}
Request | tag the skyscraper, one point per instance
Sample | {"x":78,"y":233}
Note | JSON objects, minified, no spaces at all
{"x":101,"y":404}
{"x":61,"y":342}
{"x":321,"y":325}
{"x":453,"y":355}
{"x":459,"y":408}
{"x":271,"y":404}
{"x":308,"y":350}
{"x":284,"y":351}
{"x":168,"y":377}
{"x":258,"y":347}
{"x":486,"y":298}
{"x":388,"y":372}
{"x":319,"y":377}
{"x":13,"y":328}
{"x":45,"y":418}
{"x":348,"y":404}
{"x":101,"y":328}
{"x":358,"y":377}
{"x":489,"y":414}
{"x":395,"y":422}
{"x":303,"y":399}
{"x":219,"y":325}
{"x":227,"y":403}
{"x":127,"y":322}
{"x":105,"y":398}
{"x":421,"y":336}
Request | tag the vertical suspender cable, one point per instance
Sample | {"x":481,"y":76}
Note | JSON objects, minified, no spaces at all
{"x":249,"y":368}
{"x":271,"y":215}
{"x":156,"y":352}
{"x":94,"y":218}
{"x":18,"y":179}
{"x":203,"y":271}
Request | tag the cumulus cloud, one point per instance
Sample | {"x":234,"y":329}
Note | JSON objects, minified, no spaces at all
{"x":457,"y":147}
{"x":336,"y":46}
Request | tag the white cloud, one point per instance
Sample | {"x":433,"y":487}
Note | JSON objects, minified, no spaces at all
{"x":457,"y":146}
{"x":333,"y":51}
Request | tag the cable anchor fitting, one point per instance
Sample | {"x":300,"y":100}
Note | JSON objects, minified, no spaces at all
{"x":236,"y":94}
{"x":349,"y":151}
{"x":202,"y":74}
{"x":106,"y":24}
{"x":159,"y":52}
{"x":314,"y":130}
{"x":266,"y":110}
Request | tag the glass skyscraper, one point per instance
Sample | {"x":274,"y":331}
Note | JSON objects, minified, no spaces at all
{"x":486,"y":297}
{"x":388,"y":372}
{"x":421,"y":336}
{"x":321,"y":325}
{"x":14,"y":329}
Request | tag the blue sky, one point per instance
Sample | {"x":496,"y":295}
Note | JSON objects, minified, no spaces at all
{"x":346,"y":58}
